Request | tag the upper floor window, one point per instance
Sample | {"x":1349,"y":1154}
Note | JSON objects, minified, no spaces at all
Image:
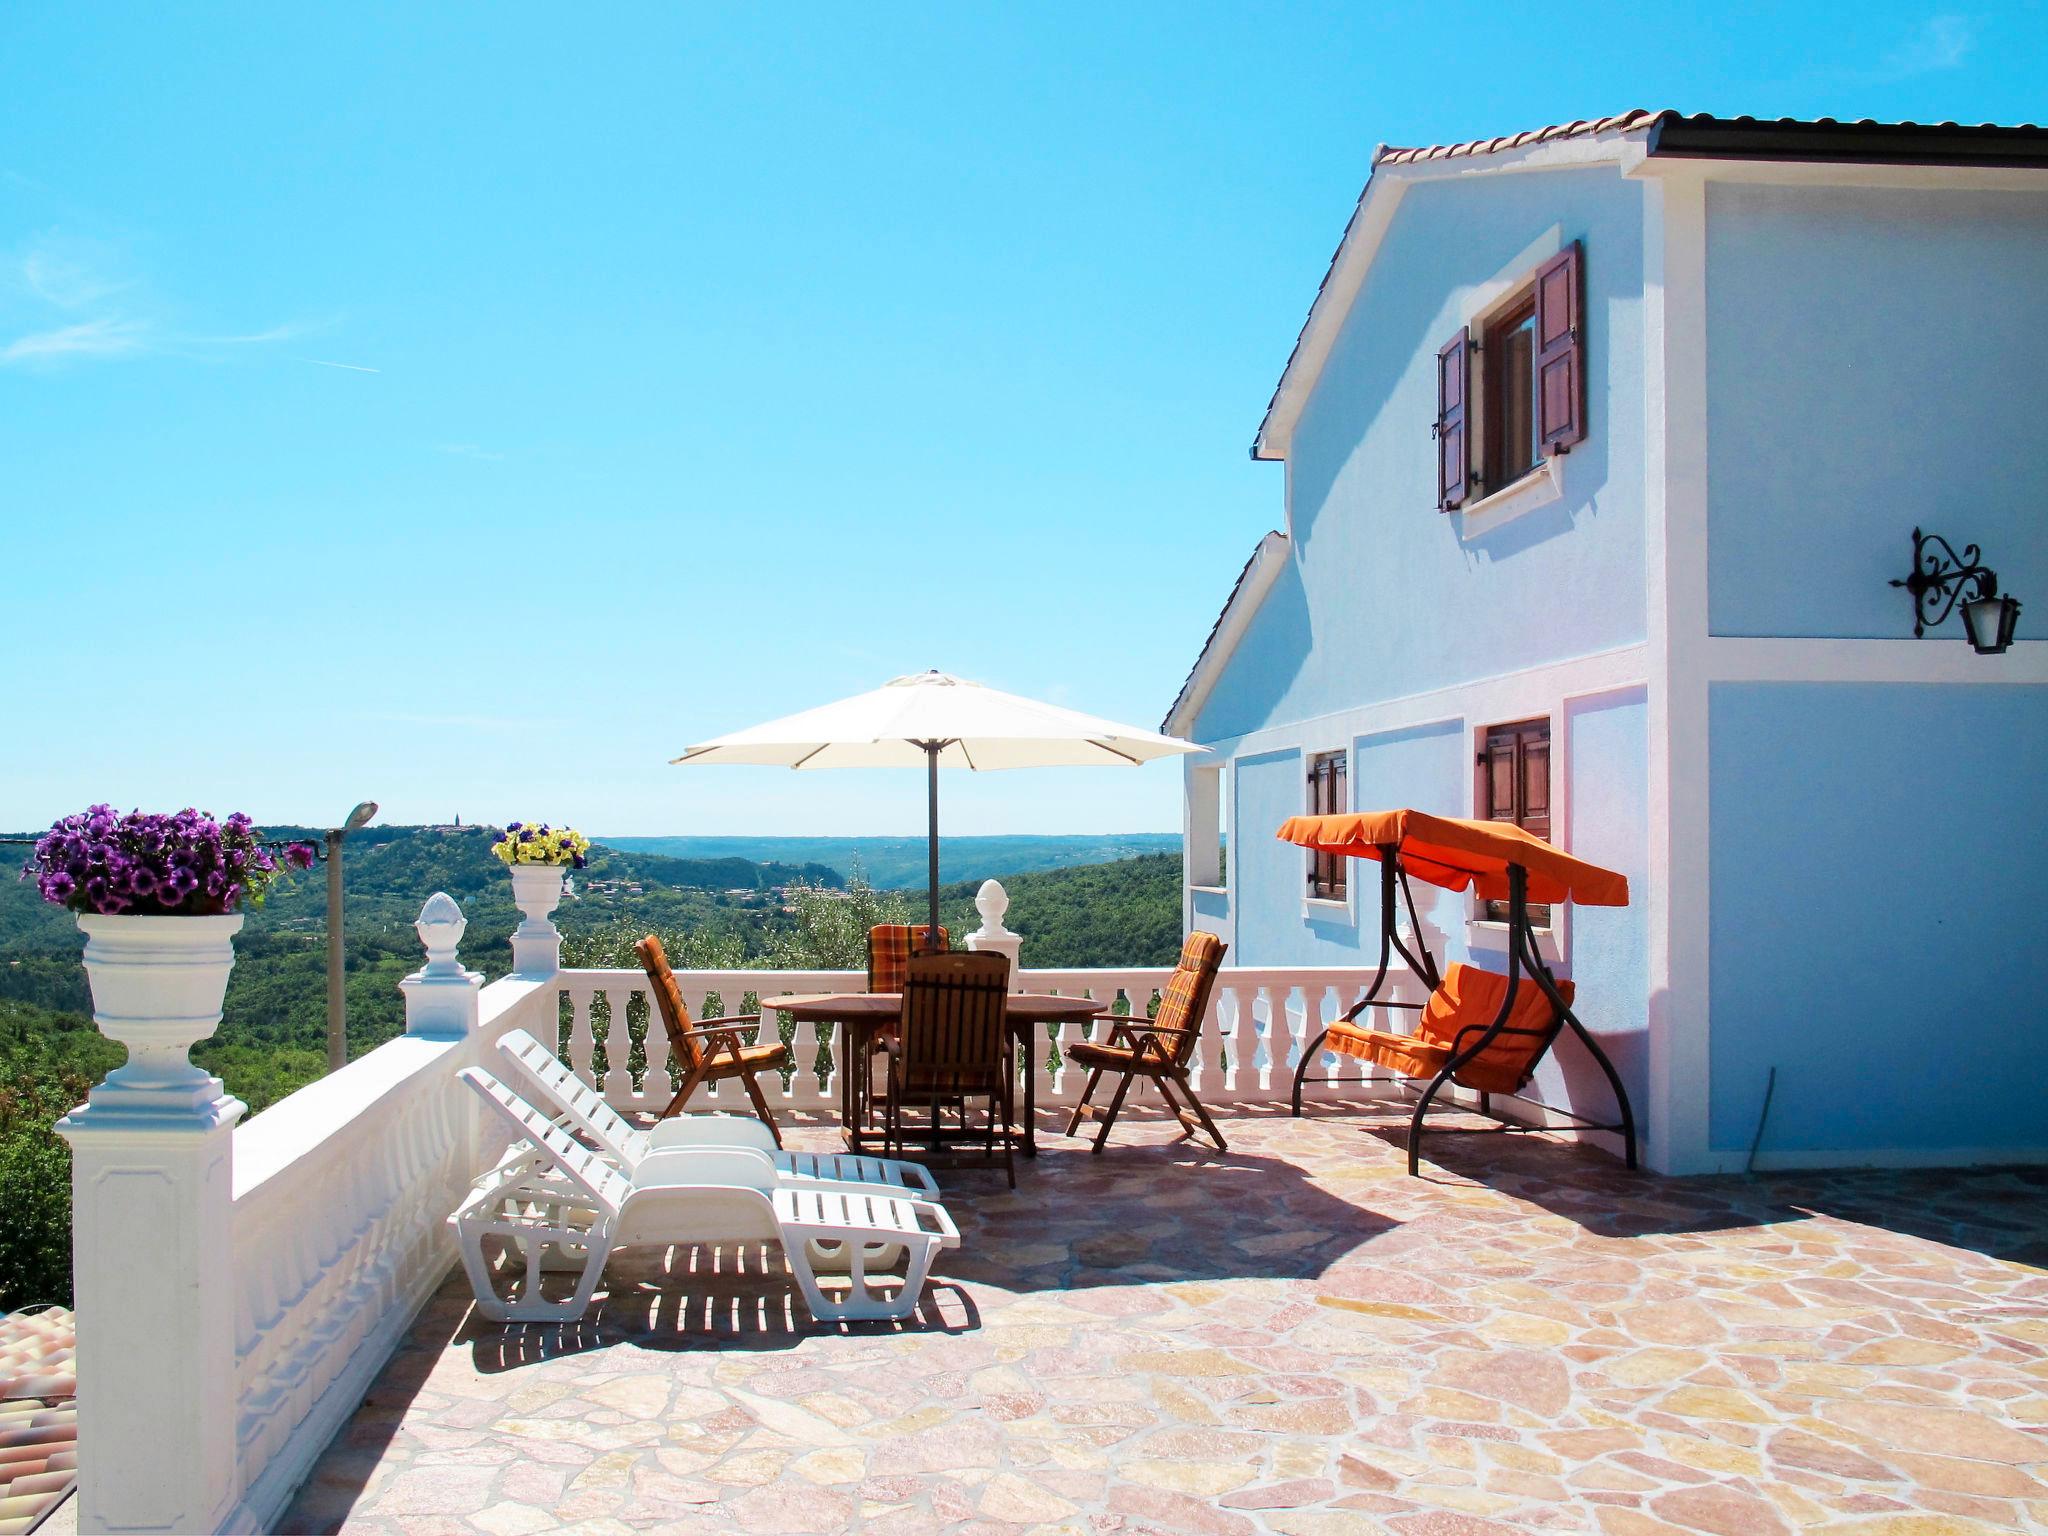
{"x":1514,"y":785}
{"x":1328,"y":793}
{"x":1521,"y":372}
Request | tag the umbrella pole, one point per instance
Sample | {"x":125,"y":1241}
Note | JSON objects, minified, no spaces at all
{"x":931,"y":756}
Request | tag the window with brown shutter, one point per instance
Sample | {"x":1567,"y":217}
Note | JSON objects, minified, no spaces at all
{"x":1524,"y":370}
{"x":1514,"y":785}
{"x":1328,"y":793}
{"x":1453,"y":375}
{"x":1560,"y":352}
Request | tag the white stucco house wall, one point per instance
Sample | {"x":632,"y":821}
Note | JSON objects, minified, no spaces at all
{"x":1613,"y":558}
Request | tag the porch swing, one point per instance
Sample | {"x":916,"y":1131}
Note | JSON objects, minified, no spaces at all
{"x":1484,"y":1031}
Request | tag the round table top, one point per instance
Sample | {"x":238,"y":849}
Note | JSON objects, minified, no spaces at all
{"x":856,"y":1006}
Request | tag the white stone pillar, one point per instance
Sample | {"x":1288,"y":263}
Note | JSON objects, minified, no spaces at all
{"x":152,"y":1179}
{"x":992,"y":902}
{"x":441,"y":997}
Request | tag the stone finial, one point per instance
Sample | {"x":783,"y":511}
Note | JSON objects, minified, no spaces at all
{"x":993,"y":903}
{"x":441,"y":997}
{"x":440,"y":927}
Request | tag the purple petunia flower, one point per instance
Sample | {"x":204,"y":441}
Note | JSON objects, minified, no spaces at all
{"x":99,"y":861}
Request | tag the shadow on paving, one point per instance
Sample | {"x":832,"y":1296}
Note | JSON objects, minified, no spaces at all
{"x":2001,"y":1213}
{"x":1139,"y":1215}
{"x":651,"y":1299}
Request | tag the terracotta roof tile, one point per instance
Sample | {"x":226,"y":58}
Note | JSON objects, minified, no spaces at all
{"x":38,"y":1423}
{"x":1388,"y":154}
{"x":36,"y":1350}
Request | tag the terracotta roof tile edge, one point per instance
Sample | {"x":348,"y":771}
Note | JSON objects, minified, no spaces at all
{"x":1625,"y":122}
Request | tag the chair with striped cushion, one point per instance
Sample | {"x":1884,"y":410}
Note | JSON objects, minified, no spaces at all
{"x":713,"y":1051}
{"x":890,"y":949}
{"x":1157,"y":1049}
{"x":953,"y":1044}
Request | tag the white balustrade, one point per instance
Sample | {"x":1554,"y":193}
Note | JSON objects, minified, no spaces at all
{"x":1239,"y":1059}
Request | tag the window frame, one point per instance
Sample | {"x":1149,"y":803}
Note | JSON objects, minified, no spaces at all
{"x":1519,"y":735}
{"x":1549,"y":923}
{"x":1208,"y":840}
{"x":1489,"y":393}
{"x":1324,"y":900}
{"x":1482,"y":505}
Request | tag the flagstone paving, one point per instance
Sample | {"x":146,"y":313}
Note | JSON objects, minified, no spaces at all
{"x":1291,"y":1337}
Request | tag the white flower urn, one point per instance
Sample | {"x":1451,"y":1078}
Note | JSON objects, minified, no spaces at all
{"x":158,"y":984}
{"x":537,"y":942}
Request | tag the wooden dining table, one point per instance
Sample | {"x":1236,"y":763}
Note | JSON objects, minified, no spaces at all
{"x":862,"y":1015}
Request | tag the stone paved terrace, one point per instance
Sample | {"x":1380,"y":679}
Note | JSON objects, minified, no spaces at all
{"x":1291,"y":1337}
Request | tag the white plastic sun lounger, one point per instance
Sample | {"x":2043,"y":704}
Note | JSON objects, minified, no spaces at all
{"x":585,"y":1111}
{"x":562,"y":1198}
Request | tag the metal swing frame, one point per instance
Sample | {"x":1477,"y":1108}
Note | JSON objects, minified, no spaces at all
{"x":1522,"y":955}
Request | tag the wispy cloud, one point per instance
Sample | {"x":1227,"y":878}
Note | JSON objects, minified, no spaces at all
{"x":72,"y":299}
{"x":321,"y":362}
{"x":1939,"y":43}
{"x":70,"y":273}
{"x":290,"y":331}
{"x":469,"y":451}
{"x":89,"y":338}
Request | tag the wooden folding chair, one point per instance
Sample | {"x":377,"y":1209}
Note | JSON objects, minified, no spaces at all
{"x":713,"y":1051}
{"x":1157,"y":1049}
{"x":953,"y":1045}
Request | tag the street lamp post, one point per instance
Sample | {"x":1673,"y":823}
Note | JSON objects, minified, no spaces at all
{"x":337,"y":1001}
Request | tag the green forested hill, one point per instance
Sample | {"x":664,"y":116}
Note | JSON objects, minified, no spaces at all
{"x":900,"y":862}
{"x":1126,"y":913}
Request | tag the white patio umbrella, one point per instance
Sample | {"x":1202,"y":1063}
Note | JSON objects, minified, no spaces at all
{"x":928,"y":720}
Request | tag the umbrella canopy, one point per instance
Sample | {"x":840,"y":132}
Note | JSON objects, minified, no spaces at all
{"x":929,"y":720}
{"x":1459,"y":854}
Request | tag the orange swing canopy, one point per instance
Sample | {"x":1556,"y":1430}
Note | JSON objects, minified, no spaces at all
{"x":1461,"y":855}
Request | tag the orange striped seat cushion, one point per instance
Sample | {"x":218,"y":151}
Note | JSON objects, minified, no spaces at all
{"x":1469,"y":996}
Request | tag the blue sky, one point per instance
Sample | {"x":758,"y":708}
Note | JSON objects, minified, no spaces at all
{"x":469,"y":407}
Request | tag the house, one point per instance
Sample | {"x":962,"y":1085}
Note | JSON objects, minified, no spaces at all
{"x":1604,"y":449}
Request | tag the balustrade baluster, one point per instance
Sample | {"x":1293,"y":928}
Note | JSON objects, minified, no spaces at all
{"x":656,"y":1087}
{"x":618,"y":1048}
{"x":582,"y":1039}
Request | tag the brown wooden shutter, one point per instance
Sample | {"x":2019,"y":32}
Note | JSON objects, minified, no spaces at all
{"x":1453,"y":384}
{"x":1560,"y":351}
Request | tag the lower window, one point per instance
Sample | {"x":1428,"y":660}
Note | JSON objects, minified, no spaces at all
{"x":1328,"y":793}
{"x":1514,"y":785}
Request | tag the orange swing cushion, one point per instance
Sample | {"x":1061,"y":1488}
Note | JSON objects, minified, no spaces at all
{"x":1469,"y":996}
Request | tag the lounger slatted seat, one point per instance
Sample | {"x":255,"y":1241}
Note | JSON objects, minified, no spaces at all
{"x":583,"y":1110}
{"x":553,"y":1196}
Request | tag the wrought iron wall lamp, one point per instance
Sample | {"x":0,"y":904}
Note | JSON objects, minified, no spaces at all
{"x":1938,"y":581}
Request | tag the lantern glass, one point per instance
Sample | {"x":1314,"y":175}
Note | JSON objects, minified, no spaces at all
{"x":1990,"y":622}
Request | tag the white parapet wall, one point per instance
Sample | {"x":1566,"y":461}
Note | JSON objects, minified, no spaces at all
{"x":243,"y":1287}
